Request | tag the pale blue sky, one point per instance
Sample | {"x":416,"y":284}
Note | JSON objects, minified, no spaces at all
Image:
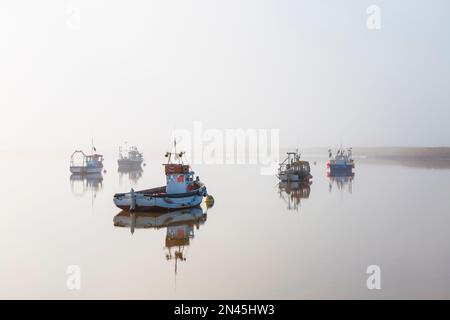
{"x":136,"y":69}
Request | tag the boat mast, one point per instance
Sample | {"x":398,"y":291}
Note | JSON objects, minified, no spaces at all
{"x":176,"y":155}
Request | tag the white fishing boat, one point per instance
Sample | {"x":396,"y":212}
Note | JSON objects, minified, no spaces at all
{"x":182,"y":190}
{"x":89,"y":164}
{"x":130,"y":157}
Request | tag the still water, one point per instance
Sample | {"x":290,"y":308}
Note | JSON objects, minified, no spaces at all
{"x":258,"y":241}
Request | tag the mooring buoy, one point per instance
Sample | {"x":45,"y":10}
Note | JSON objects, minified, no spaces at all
{"x":209,"y":201}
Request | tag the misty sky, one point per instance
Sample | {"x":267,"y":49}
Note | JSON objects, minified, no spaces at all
{"x":135,"y":70}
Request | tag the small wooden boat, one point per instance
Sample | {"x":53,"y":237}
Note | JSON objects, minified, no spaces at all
{"x":182,"y":190}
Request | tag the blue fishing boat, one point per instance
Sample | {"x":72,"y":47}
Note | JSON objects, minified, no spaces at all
{"x":342,"y":163}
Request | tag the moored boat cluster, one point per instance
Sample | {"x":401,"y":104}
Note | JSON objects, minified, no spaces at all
{"x":183,"y":188}
{"x":293,"y":169}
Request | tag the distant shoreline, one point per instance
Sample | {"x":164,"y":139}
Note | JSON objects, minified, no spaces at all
{"x":419,"y":157}
{"x":406,"y":153}
{"x":390,"y":153}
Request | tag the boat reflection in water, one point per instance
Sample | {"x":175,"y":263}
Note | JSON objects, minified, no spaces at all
{"x":341,"y":181}
{"x":179,"y":224}
{"x":293,"y":192}
{"x":133,"y":173}
{"x":80,"y":184}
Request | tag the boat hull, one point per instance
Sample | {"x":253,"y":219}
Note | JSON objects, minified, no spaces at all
{"x":127,"y":163}
{"x":142,"y":201}
{"x":336,"y":169}
{"x":85,"y":170}
{"x":294,"y":177}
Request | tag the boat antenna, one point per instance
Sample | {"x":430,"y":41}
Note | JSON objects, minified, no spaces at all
{"x":174,"y":148}
{"x":93,"y":149}
{"x":175,"y":144}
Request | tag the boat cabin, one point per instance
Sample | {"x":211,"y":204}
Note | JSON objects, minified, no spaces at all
{"x":298,"y":165}
{"x":131,"y":153}
{"x":179,"y":178}
{"x":343,"y":157}
{"x":92,"y":160}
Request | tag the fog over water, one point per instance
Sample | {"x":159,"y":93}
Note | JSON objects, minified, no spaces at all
{"x":134,"y":71}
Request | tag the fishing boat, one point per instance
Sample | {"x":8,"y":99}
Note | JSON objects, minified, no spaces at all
{"x":292,"y":169}
{"x":130,"y":157}
{"x":92,"y":163}
{"x":342,"y":163}
{"x":182,"y":190}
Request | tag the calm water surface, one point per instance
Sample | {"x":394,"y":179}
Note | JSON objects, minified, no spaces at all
{"x":256,"y":242}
